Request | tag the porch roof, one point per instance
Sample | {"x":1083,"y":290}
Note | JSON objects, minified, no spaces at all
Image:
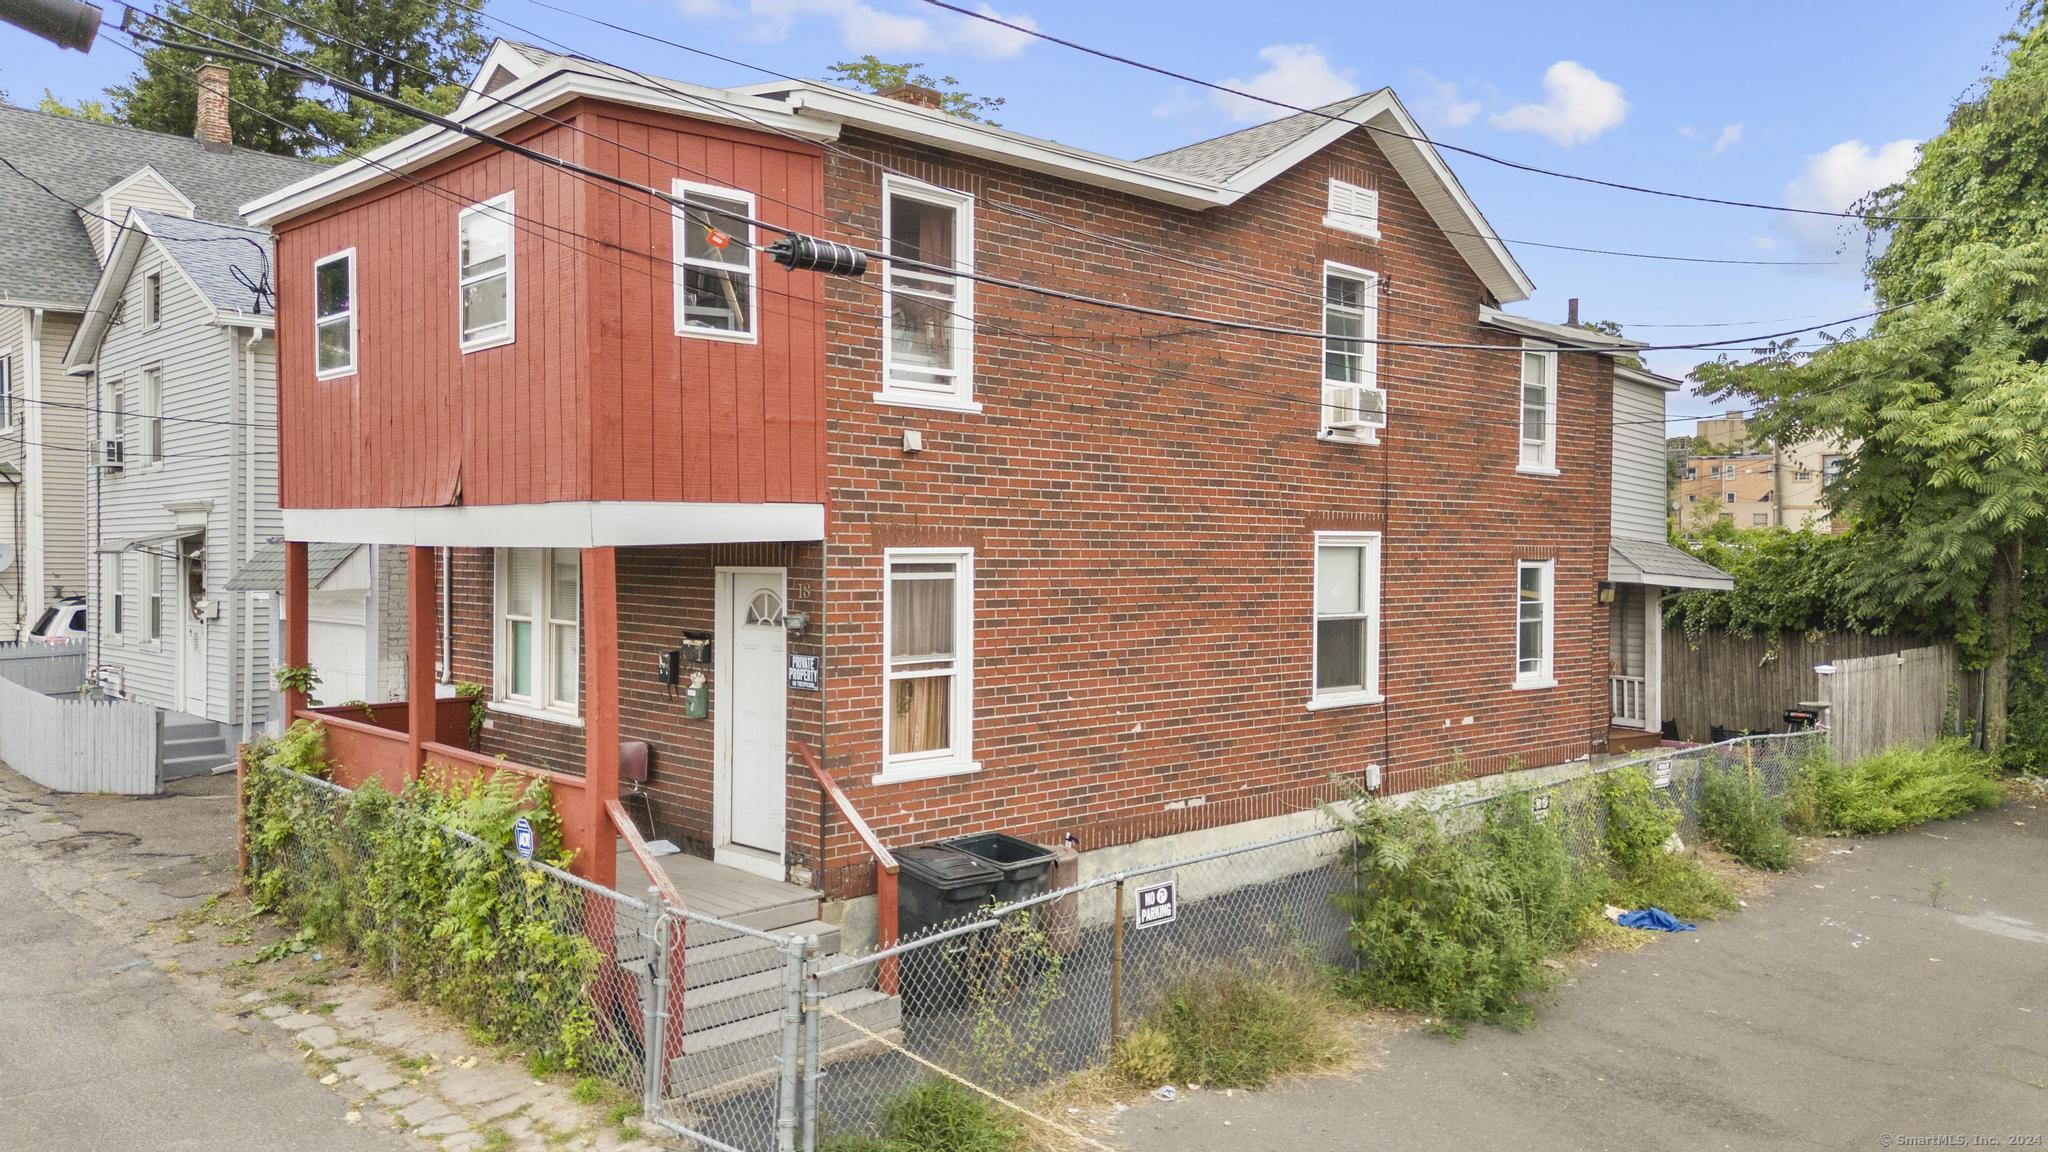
{"x":264,"y":572}
{"x":563,"y":524}
{"x":1658,"y":563}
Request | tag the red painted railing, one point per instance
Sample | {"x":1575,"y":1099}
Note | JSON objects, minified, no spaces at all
{"x":886,"y":868}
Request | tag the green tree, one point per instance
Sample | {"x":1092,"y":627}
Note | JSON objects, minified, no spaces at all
{"x":162,"y":94}
{"x":1949,"y":393}
{"x":92,"y":110}
{"x":876,"y":75}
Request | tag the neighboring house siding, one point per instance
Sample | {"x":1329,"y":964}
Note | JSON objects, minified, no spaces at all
{"x":15,"y":613}
{"x":55,"y":465}
{"x":1640,"y":495}
{"x":148,"y":190}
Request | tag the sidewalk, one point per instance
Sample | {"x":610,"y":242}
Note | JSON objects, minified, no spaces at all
{"x":140,"y":1014}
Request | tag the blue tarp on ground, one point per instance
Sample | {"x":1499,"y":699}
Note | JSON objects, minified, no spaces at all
{"x":1654,"y":920}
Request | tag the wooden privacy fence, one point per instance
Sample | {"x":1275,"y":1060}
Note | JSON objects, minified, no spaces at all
{"x":72,"y":744}
{"x":45,"y":668}
{"x":1741,"y":684}
{"x":1878,"y":701}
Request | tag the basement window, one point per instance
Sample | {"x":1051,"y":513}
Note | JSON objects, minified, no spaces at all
{"x":486,"y":273}
{"x":927,"y":314}
{"x":539,"y":650}
{"x":715,"y":292}
{"x":334,"y":315}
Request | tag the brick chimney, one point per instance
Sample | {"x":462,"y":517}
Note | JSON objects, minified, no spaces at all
{"x":916,"y":94}
{"x":1571,"y":310}
{"x":210,"y":126}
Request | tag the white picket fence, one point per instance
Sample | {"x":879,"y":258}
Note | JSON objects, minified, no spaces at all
{"x":72,"y":744}
{"x":45,"y":668}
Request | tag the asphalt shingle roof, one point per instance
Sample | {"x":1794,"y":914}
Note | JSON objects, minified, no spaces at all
{"x":45,"y":255}
{"x":1220,"y":158}
{"x":1656,"y":558}
{"x":208,"y":254}
{"x":264,"y":571}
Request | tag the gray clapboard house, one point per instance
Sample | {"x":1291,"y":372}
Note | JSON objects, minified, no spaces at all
{"x":135,"y":311}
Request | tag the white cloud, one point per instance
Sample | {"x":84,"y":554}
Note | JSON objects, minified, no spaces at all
{"x":703,"y":9}
{"x":866,"y":28}
{"x":1297,"y":74}
{"x":1729,"y":138}
{"x":1834,"y":180}
{"x":1577,"y":106}
{"x":1688,"y":132}
{"x":1441,"y":105}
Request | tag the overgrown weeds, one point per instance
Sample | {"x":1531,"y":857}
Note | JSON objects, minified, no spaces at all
{"x":1641,"y":821}
{"x":1739,"y":813}
{"x":1897,"y":788}
{"x":934,"y":1115}
{"x":1234,"y":1026}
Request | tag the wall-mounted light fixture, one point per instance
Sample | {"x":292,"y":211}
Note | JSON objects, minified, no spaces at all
{"x":796,"y":623}
{"x":1607,"y":591}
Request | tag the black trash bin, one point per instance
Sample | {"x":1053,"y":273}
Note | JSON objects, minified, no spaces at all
{"x":1023,"y":864}
{"x":939,"y":886}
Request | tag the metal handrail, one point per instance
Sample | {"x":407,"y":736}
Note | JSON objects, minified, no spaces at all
{"x":867,"y":835}
{"x":638,"y":847}
{"x":887,"y":906}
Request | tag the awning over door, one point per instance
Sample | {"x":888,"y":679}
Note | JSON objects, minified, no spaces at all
{"x":1655,"y":562}
{"x":145,"y":543}
{"x":264,"y":571}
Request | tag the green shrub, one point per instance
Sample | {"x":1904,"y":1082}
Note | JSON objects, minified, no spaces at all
{"x":936,"y":1115}
{"x":2026,"y":734}
{"x":1896,"y":788}
{"x":1235,"y":1026}
{"x":1640,"y":822}
{"x":1738,"y":813}
{"x":1459,"y":929}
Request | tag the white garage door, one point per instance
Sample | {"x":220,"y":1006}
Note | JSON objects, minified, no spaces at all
{"x":338,"y":643}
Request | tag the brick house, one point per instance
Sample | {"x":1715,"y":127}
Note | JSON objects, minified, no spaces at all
{"x":982,"y":558}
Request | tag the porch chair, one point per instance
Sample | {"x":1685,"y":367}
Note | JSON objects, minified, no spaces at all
{"x":634,"y":756}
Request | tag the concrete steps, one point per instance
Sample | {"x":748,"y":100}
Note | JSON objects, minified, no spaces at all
{"x":728,"y":1057}
{"x":192,"y":749}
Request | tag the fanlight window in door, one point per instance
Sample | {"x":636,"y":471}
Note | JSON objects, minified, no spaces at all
{"x":766,"y":608}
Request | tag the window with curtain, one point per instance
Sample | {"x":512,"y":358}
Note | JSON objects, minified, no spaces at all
{"x":926,"y":314}
{"x":1539,"y":410}
{"x":1533,"y":624}
{"x":1347,"y":600}
{"x":928,"y":607}
{"x":715,"y":262}
{"x":334,"y":314}
{"x":486,"y":273}
{"x":539,"y":660}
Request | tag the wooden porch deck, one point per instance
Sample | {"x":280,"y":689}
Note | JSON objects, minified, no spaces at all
{"x":1620,"y":739}
{"x":726,"y":893}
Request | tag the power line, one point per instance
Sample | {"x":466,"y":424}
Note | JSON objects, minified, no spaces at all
{"x":991,"y":18}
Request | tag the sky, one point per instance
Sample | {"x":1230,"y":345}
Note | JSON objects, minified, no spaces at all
{"x":1801,"y":103}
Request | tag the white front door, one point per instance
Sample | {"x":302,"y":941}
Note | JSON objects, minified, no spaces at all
{"x":750,"y":699}
{"x":191,"y":625}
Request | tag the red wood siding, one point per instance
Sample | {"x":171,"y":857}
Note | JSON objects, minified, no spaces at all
{"x":596,"y":397}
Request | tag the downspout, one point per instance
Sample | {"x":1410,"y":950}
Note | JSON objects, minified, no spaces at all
{"x":251,"y":442}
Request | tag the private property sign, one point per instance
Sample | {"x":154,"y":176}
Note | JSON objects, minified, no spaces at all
{"x":1155,"y":905}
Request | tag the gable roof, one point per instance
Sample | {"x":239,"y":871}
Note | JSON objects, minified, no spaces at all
{"x":48,"y":259}
{"x":1214,"y":173}
{"x":208,"y":255}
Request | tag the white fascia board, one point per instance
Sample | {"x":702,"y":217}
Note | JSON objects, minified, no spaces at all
{"x":502,"y":55}
{"x":1556,"y":333}
{"x":540,"y":93}
{"x":99,"y":311}
{"x":1645,"y":377}
{"x":902,"y":121}
{"x":580,"y":524}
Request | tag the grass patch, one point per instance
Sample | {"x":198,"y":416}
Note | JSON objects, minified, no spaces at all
{"x":936,"y":1115}
{"x":1234,"y":1026}
{"x":1742,"y":817}
{"x":1641,"y":820}
{"x":1897,"y":788}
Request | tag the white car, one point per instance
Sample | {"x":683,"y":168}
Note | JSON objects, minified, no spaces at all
{"x":60,"y":623}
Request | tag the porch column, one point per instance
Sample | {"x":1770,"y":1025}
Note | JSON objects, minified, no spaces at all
{"x":601,"y":705}
{"x":422,"y":631}
{"x":298,"y":647}
{"x":1653,"y":658}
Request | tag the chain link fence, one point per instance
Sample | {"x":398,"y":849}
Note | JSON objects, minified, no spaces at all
{"x":748,"y":1041}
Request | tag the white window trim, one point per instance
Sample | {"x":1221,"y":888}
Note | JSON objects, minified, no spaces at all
{"x":116,"y":618}
{"x":959,"y":759}
{"x":153,"y":297}
{"x":1318,"y":700}
{"x":684,"y":189}
{"x":1351,"y":222}
{"x":1366,"y":436}
{"x":153,"y":624}
{"x":1547,"y":466}
{"x":501,"y":205}
{"x":1546,"y":676}
{"x":152,"y":398}
{"x":319,"y":373}
{"x":961,"y":399}
{"x":544,"y":655}
{"x":10,"y":407}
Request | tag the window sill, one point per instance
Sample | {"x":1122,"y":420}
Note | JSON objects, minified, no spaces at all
{"x":1537,"y":470}
{"x":335,"y":373}
{"x":549,"y":715}
{"x":1346,"y":700}
{"x":719,"y":334}
{"x":937,"y":403}
{"x":1534,"y":685}
{"x":1358,"y":439}
{"x":908,"y":773}
{"x":1341,"y":224}
{"x":486,"y":343}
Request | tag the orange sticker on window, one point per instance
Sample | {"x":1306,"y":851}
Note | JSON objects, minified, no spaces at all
{"x":716,"y":239}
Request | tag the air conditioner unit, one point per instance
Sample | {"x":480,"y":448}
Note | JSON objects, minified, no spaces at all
{"x":113,"y":453}
{"x":1355,"y":408}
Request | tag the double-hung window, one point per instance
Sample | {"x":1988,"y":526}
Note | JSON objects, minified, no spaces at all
{"x":1535,"y":582}
{"x":113,"y":597}
{"x":1539,"y":410}
{"x":538,"y":641}
{"x":6,"y":390}
{"x":1353,"y":405}
{"x":153,"y":297}
{"x":485,"y":259}
{"x":928,"y":625}
{"x":153,"y":593}
{"x":1347,"y":625}
{"x":714,"y":245}
{"x":334,"y":315}
{"x":927,"y":314}
{"x":152,"y":416}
